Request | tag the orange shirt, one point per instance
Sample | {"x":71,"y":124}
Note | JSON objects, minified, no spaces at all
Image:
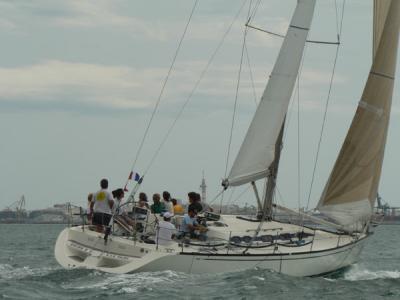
{"x":178,"y":209}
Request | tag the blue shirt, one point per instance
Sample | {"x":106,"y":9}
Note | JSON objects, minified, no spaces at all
{"x":187,"y":220}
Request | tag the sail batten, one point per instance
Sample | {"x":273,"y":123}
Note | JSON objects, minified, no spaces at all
{"x":351,"y":190}
{"x":258,"y":148}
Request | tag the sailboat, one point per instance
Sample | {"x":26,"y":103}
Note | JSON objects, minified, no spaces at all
{"x":238,"y":243}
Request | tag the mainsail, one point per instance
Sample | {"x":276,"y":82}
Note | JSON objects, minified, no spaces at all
{"x":351,"y":190}
{"x":258,"y":149}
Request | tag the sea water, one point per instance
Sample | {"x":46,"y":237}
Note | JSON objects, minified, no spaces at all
{"x":28,"y":270}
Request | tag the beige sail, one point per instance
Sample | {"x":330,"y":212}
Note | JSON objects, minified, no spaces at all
{"x":381,"y":8}
{"x":351,"y":190}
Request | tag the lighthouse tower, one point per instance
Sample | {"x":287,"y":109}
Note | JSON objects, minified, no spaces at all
{"x":203,"y":188}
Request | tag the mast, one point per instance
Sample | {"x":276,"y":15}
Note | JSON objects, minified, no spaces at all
{"x":271,"y":179}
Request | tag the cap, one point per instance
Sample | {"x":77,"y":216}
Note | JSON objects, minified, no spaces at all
{"x":167,"y":215}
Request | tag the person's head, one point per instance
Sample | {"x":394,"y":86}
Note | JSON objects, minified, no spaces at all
{"x":90,"y":197}
{"x":174,"y":202}
{"x":192,"y":212}
{"x":142,"y":203}
{"x":192,"y":197}
{"x":118,"y":194}
{"x":167,"y":216}
{"x":142,"y":197}
{"x":156,"y":198}
{"x":166,"y":196}
{"x":104,"y":183}
{"x":198,"y":197}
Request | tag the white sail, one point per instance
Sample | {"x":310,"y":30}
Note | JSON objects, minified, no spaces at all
{"x":350,"y":193}
{"x":258,"y":148}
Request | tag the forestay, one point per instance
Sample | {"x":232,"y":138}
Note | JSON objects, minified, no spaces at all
{"x":350,"y":193}
{"x":257,"y":151}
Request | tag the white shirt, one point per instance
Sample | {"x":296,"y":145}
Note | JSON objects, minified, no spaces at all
{"x":168,"y":206}
{"x":118,"y":205}
{"x":101,"y":199}
{"x":164,"y":232}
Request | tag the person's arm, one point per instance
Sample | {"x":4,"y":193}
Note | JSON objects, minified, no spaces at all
{"x":91,"y":209}
{"x":111,"y":203}
{"x":173,"y":235}
{"x":194,"y":225}
{"x":110,"y":200}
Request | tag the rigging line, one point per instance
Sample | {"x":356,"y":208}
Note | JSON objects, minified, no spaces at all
{"x":234,"y":108}
{"x":280,"y":196}
{"x":337,"y":18}
{"x":241,"y":194}
{"x":262,"y":220}
{"x":326,"y":109}
{"x":204,"y":71}
{"x":216,"y":197}
{"x":230,"y":198}
{"x":283,"y":36}
{"x":164,"y":84}
{"x":292,"y":102}
{"x":255,"y":9}
{"x":298,"y":142}
{"x":247,"y":54}
{"x":251,"y":75}
{"x":236,"y":99}
{"x":298,"y":128}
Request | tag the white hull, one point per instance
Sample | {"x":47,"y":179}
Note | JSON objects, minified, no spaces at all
{"x":76,"y":248}
{"x":307,"y":264}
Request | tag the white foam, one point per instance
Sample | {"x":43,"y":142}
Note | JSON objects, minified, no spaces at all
{"x":9,"y":272}
{"x":357,"y":273}
{"x":128,"y":283}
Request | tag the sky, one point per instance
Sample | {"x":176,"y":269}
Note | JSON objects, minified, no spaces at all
{"x":79,"y":81}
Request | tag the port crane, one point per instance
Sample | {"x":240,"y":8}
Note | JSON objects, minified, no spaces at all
{"x":19,"y":208}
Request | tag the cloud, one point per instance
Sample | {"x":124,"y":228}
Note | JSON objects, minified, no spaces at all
{"x":65,"y":84}
{"x":56,"y":81}
{"x":104,"y":14}
{"x":7,"y":25}
{"x":89,"y":87}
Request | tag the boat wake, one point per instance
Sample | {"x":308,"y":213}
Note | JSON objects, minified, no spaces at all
{"x":127,"y":283}
{"x":357,"y":273}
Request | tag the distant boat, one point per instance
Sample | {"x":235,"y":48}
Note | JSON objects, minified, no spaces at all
{"x":238,"y":243}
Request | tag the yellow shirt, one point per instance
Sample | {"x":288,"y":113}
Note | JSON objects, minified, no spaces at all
{"x":178,"y":209}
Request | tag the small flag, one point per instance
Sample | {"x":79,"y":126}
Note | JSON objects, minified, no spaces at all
{"x":134,"y":176}
{"x":125,"y":188}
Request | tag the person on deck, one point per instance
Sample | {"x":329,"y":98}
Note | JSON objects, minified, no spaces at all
{"x":165,"y":230}
{"x":143,"y":202}
{"x":141,"y":208}
{"x":190,"y":224}
{"x":194,"y":200}
{"x":101,"y":207}
{"x":88,"y":209}
{"x":167,"y":202}
{"x":157,"y":207}
{"x":178,"y":209}
{"x":119,"y":210}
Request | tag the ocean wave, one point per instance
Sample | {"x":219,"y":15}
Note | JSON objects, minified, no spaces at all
{"x":357,"y":273}
{"x":127,"y":283}
{"x":12,"y":272}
